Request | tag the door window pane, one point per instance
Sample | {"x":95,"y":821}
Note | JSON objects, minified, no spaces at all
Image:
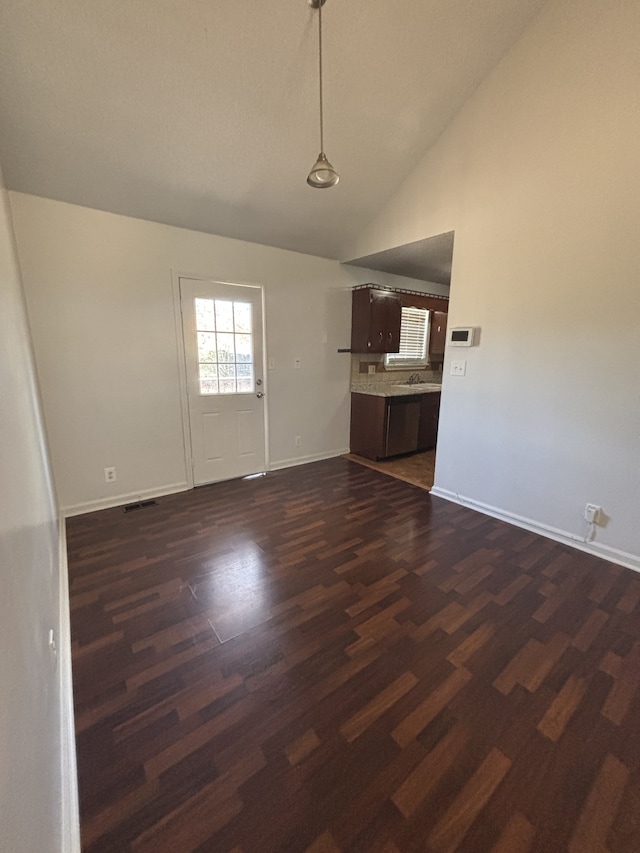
{"x":208,"y":371}
{"x":244,"y":348}
{"x":227,"y":371}
{"x":242,"y":317}
{"x":224,"y":316}
{"x":206,"y":347}
{"x":208,"y":386}
{"x":204,"y":315}
{"x":225,"y":346}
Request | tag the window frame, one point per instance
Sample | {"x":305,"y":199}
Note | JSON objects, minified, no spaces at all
{"x":213,"y":329}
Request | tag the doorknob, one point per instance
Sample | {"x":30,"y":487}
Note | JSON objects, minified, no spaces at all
{"x":259,"y":395}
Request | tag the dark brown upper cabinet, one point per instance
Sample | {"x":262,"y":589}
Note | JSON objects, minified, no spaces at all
{"x":375,"y":321}
{"x":437,"y":335}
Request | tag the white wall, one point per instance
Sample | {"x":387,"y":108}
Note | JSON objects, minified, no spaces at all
{"x":539,"y":178}
{"x":100,"y":299}
{"x":31,"y":697}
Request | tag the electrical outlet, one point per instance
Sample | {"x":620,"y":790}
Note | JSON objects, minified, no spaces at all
{"x":372,"y":368}
{"x":110,"y":475}
{"x":592,"y":513}
{"x":298,"y":441}
{"x":297,"y":363}
{"x":458,"y":368}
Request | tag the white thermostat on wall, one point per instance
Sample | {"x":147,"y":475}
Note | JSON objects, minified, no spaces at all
{"x":462,"y":336}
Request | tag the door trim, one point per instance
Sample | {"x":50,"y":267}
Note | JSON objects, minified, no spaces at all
{"x":182,"y":364}
{"x":182,"y":376}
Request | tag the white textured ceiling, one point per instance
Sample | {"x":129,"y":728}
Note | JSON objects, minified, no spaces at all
{"x":204,"y":113}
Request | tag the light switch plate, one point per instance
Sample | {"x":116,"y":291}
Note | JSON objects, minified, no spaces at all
{"x":458,"y":367}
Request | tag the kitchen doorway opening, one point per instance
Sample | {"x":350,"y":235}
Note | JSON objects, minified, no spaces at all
{"x":387,"y":385}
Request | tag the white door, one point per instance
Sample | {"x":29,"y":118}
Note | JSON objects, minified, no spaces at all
{"x":222,"y":329}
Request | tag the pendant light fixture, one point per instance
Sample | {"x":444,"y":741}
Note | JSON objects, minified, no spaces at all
{"x":323,"y":174}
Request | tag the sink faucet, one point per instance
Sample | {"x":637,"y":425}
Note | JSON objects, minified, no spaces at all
{"x":414,"y":379}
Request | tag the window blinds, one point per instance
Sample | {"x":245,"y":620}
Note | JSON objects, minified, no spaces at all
{"x":414,"y":332}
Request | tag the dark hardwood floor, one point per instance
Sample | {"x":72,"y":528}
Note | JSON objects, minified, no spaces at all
{"x":328,"y":659}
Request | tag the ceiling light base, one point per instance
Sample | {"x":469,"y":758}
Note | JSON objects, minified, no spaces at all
{"x":315,"y":4}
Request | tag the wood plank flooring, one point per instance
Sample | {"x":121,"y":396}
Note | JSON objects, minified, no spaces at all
{"x":328,"y":659}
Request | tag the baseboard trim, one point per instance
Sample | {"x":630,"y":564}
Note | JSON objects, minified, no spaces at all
{"x":69,"y":769}
{"x":605,"y":552}
{"x":304,"y":460}
{"x":174,"y":488}
{"x":120,"y":500}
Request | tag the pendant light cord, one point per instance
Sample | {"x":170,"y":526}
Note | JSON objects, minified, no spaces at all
{"x":320,"y":69}
{"x":322,"y":174}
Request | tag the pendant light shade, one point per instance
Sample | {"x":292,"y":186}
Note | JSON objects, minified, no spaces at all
{"x":322,"y":175}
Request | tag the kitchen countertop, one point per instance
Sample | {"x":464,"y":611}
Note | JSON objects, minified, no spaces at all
{"x":375,"y":389}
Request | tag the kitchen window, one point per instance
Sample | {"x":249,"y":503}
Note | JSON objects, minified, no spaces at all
{"x":414,"y":340}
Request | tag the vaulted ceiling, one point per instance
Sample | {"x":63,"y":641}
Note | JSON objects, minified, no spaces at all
{"x":204,"y":113}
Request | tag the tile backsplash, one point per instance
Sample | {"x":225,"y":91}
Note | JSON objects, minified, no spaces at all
{"x":360,"y":372}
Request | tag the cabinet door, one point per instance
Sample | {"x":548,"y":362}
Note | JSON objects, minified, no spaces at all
{"x":429,"y":414}
{"x":368,"y":425}
{"x":437,"y":333}
{"x":375,"y":321}
{"x":360,"y":320}
{"x":386,"y":316}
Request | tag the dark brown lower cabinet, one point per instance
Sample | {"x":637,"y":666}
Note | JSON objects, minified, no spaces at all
{"x":389,"y":426}
{"x":368,"y":419}
{"x":429,"y":413}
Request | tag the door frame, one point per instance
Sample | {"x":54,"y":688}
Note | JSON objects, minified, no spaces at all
{"x":176,"y":275}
